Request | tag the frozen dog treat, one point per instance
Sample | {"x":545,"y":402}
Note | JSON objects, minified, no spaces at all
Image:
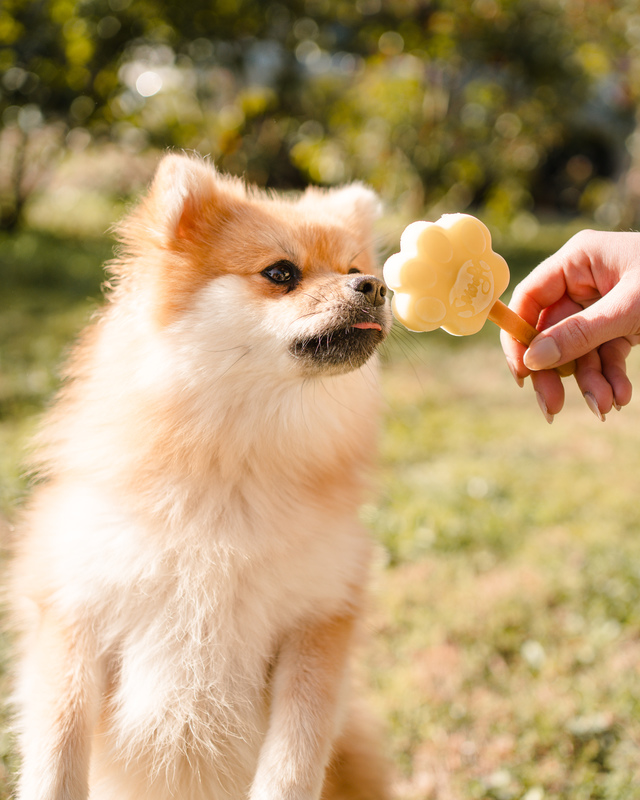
{"x":447,"y":275}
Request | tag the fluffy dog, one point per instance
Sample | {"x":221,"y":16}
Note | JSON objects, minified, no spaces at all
{"x":189,"y":577}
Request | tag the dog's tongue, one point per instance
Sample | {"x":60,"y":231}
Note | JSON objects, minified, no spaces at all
{"x":368,"y":326}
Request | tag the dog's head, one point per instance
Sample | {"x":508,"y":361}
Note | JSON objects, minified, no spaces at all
{"x":289,"y":280}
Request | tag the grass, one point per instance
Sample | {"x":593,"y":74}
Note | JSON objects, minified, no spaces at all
{"x":507,"y":636}
{"x":505,"y":644}
{"x":49,"y":286}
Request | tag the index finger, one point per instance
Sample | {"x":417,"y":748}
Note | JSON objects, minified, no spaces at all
{"x":545,"y":286}
{"x":585,"y":268}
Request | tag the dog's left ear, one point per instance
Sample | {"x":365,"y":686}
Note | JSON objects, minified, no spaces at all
{"x":357,"y":206}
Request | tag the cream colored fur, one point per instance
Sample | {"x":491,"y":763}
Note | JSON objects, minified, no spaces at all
{"x":190,"y":572}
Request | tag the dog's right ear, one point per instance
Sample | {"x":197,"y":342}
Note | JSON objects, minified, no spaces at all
{"x":184,"y":193}
{"x":168,"y":239}
{"x":186,"y":198}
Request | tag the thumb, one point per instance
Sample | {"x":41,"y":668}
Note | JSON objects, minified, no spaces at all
{"x":614,"y":315}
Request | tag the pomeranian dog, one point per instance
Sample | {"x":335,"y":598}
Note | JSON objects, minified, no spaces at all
{"x":190,"y":572}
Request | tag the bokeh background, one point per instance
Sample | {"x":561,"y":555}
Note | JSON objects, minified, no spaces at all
{"x":505,"y":625}
{"x":516,"y":107}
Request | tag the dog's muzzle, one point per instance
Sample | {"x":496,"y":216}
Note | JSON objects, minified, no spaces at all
{"x":360,"y":322}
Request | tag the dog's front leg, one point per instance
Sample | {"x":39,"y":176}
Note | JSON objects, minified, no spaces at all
{"x":306,"y":702}
{"x":59,"y":693}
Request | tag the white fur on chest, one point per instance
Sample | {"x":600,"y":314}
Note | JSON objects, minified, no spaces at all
{"x":189,"y":632}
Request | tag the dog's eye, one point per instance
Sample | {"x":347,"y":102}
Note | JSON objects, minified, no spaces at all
{"x":282,"y":272}
{"x":354,"y":270}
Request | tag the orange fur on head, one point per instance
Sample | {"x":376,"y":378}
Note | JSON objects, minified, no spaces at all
{"x":190,"y":569}
{"x":201,"y":224}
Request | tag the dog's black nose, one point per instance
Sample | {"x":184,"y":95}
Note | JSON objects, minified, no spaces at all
{"x":371,"y":287}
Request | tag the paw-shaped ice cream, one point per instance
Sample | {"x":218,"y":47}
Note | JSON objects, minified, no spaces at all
{"x":446,"y":275}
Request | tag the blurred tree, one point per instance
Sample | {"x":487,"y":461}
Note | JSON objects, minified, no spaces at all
{"x":499,"y":103}
{"x":59,"y":65}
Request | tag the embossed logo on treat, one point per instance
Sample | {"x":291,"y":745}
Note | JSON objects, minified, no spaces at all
{"x":473,"y":290}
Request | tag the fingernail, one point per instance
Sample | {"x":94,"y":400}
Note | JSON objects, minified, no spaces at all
{"x":616,"y":404}
{"x":593,"y":405}
{"x":543,"y":408}
{"x":516,"y":377}
{"x":542,"y":354}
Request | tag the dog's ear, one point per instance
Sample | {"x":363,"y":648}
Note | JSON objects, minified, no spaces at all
{"x":186,"y":199}
{"x":357,"y":206}
{"x":167,"y":239}
{"x":185,"y":195}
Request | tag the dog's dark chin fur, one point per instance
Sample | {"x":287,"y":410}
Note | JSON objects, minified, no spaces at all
{"x":342,"y":347}
{"x":337,"y":350}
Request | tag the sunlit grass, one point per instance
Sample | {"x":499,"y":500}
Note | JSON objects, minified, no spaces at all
{"x":49,"y":289}
{"x":506,"y":624}
{"x":507,"y":637}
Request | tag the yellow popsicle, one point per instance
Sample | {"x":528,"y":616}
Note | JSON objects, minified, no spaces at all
{"x":447,"y":275}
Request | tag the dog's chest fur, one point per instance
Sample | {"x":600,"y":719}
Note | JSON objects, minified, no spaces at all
{"x":190,"y":614}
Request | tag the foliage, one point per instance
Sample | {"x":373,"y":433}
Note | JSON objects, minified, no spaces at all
{"x":503,"y":104}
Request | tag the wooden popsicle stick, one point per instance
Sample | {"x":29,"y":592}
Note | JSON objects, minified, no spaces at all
{"x":510,"y":322}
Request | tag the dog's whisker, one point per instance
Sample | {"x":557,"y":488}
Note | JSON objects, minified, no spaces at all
{"x":334,"y":399}
{"x":320,"y":299}
{"x":235,"y":363}
{"x":305,"y":316}
{"x":221,"y":350}
{"x":410,"y":350}
{"x":375,"y":241}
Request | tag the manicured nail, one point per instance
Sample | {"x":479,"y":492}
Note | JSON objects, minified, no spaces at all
{"x":543,"y":408}
{"x":593,"y":405}
{"x":542,"y":354}
{"x":516,"y":377}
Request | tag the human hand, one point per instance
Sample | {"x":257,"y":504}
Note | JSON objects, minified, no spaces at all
{"x":586,"y":301}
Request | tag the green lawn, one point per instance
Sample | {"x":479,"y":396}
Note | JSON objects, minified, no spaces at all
{"x":506,"y":644}
{"x":505,"y":630}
